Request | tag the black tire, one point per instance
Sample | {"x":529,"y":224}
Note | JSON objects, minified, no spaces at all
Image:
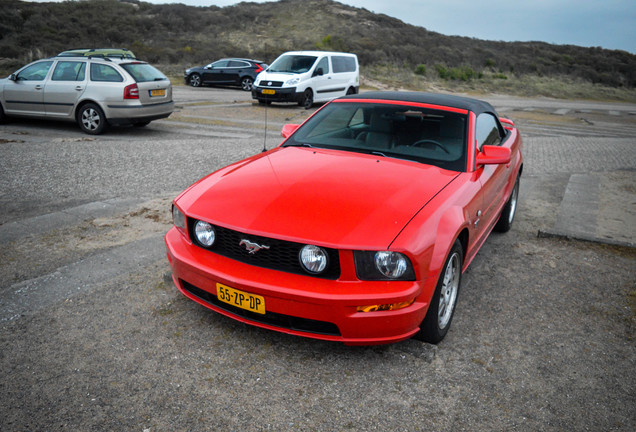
{"x":307,"y":100}
{"x":91,"y":119}
{"x":507,"y":215}
{"x":351,"y":91}
{"x":442,"y":308}
{"x":194,"y":80}
{"x":3,"y":117}
{"x":246,"y":83}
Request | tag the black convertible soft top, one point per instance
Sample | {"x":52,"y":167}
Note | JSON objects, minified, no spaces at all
{"x":475,"y":105}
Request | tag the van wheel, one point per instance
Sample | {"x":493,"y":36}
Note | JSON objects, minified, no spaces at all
{"x":351,"y":91}
{"x":307,"y":100}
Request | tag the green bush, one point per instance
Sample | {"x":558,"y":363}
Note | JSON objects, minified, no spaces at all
{"x":420,"y":69}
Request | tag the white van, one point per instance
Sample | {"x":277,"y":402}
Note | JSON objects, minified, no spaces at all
{"x":306,"y":77}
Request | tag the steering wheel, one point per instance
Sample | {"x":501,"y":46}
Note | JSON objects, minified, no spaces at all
{"x":424,"y":142}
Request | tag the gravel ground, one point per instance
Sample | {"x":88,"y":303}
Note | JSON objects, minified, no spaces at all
{"x":543,"y":337}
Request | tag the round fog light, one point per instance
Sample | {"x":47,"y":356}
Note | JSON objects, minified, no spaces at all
{"x":313,"y":259}
{"x":204,"y":232}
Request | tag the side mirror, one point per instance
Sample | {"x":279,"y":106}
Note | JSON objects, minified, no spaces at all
{"x":318,"y":72}
{"x":288,"y":129}
{"x":13,"y":77}
{"x":493,"y":155}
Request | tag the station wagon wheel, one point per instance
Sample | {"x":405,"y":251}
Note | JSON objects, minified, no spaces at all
{"x":3,"y":117}
{"x":91,"y":119}
{"x":508,"y":212}
{"x":246,"y":83}
{"x":194,"y":80}
{"x":442,"y":307}
{"x":307,"y":100}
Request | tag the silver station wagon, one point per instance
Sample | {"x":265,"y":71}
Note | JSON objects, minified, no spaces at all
{"x":94,"y":92}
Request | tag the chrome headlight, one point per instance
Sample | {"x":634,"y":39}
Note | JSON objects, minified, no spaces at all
{"x":204,"y":233}
{"x":314,"y":259}
{"x":391,"y":264}
{"x":292,"y":81}
{"x":383,"y":265}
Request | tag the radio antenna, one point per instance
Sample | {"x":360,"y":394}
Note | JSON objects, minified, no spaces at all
{"x":265,"y":136}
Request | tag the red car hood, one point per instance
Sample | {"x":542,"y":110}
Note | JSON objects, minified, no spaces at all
{"x":325,"y":197}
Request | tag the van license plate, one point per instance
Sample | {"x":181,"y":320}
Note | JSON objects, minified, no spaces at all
{"x":268,"y":91}
{"x":160,"y":92}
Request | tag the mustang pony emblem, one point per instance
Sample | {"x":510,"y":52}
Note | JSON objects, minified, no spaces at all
{"x":252,"y":247}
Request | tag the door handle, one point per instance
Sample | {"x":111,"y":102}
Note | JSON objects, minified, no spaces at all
{"x":38,"y":87}
{"x":78,"y":88}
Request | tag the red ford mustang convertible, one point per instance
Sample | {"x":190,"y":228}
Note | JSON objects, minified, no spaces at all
{"x":357,"y":228}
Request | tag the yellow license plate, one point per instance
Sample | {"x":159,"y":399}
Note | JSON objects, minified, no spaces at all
{"x":240,"y":299}
{"x":161,"y":92}
{"x":268,"y":91}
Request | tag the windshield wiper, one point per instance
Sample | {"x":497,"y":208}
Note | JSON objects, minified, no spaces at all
{"x":377,"y":153}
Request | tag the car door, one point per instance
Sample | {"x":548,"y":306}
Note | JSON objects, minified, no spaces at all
{"x":492,"y":177}
{"x":24,"y":93}
{"x":235,"y":70}
{"x":214,"y":73}
{"x":65,"y":87}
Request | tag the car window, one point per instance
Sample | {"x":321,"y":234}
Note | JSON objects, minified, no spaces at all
{"x":143,"y":72}
{"x":238,"y":64}
{"x":432,"y":136}
{"x":101,"y":72}
{"x":69,"y":71}
{"x":220,"y":64}
{"x":343,"y":64}
{"x":35,"y":72}
{"x":487,"y":131}
{"x":324,"y":65}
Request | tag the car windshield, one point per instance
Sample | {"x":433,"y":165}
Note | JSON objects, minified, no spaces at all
{"x":432,"y":136}
{"x":293,"y":64}
{"x":143,"y":72}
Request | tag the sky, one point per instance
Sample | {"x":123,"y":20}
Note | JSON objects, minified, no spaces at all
{"x":609,"y":24}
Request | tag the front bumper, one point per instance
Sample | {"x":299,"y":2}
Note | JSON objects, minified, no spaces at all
{"x":280,"y":94}
{"x":300,"y":305}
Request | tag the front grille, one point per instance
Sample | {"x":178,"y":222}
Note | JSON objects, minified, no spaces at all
{"x":274,"y":319}
{"x":265,"y":83}
{"x":281,"y":255}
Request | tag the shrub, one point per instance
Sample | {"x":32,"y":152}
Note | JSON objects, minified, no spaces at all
{"x":420,"y":69}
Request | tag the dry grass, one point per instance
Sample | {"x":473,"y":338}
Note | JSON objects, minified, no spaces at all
{"x":397,"y":78}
